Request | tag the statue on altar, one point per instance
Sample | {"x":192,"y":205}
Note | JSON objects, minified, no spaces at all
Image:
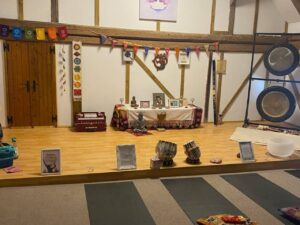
{"x":133,"y":102}
{"x":140,"y":124}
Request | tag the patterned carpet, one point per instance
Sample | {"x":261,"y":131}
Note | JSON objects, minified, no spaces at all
{"x":166,"y":201}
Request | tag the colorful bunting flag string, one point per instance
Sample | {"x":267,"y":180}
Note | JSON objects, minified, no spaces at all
{"x":56,"y":33}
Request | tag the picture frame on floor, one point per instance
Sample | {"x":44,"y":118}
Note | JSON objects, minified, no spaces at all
{"x":246,"y":151}
{"x":50,"y":161}
{"x":126,"y":158}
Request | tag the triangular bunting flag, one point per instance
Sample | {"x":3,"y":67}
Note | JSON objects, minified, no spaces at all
{"x":17,"y":33}
{"x":135,"y":49}
{"x":4,"y":30}
{"x":62,"y":32}
{"x":29,"y":34}
{"x":125,"y":44}
{"x":113,"y":43}
{"x":167,"y":50}
{"x":40,"y":34}
{"x":177,"y":52}
{"x":207,"y":50}
{"x":52,"y":33}
{"x":188,"y":50}
{"x":197,"y":50}
{"x":103,"y":39}
{"x":146,"y":50}
{"x":216,"y":45}
{"x":157,"y":50}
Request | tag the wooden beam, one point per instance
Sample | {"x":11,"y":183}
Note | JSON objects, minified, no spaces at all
{"x":127,"y":83}
{"x":153,"y":77}
{"x":213,"y":15}
{"x":157,"y":25}
{"x":54,"y":11}
{"x":143,"y":35}
{"x":207,"y":92}
{"x":231,"y":17}
{"x":97,"y":12}
{"x":77,"y":107}
{"x":239,"y":90}
{"x":257,"y":2}
{"x":295,"y":89}
{"x":20,"y":10}
{"x":286,"y":27}
{"x":220,"y":78}
{"x":297,"y":5}
{"x":182,"y":81}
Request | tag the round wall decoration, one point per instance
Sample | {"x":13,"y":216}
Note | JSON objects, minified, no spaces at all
{"x":281,"y":59}
{"x":276,"y":104}
{"x":160,"y":61}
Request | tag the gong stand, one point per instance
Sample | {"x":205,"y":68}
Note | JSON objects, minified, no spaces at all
{"x":276,"y":103}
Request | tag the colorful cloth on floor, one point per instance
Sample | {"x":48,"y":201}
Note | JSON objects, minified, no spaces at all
{"x":292,"y":213}
{"x":124,"y":117}
{"x":138,"y":133}
{"x":224,"y":219}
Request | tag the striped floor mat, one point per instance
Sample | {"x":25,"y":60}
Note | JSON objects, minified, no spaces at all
{"x":166,"y":201}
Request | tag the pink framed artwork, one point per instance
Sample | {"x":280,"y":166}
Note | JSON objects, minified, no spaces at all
{"x":165,"y":10}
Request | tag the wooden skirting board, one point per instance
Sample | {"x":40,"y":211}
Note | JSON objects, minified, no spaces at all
{"x":91,"y":156}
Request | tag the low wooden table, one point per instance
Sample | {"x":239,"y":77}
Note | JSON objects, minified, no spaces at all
{"x":124,"y":117}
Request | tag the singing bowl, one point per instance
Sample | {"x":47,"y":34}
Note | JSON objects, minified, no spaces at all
{"x":276,"y":104}
{"x":281,"y":59}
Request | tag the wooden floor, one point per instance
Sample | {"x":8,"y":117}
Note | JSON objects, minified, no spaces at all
{"x":89,"y":157}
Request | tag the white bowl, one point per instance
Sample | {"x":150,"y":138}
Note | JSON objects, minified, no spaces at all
{"x":281,"y":147}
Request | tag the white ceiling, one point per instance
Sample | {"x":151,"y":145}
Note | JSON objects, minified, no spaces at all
{"x":287,"y":10}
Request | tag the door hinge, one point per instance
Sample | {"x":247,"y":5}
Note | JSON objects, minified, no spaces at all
{"x":52,"y":49}
{"x":5,"y":46}
{"x":54,"y":118}
{"x":9,"y":119}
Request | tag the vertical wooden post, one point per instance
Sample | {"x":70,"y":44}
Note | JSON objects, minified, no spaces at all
{"x":207,"y":93}
{"x":97,"y":12}
{"x":220,"y":77}
{"x":256,"y":16}
{"x":127,"y":82}
{"x":286,"y":27}
{"x":212,"y":19}
{"x":157,"y":25}
{"x":182,"y":81}
{"x":231,"y":16}
{"x":54,"y":11}
{"x":20,"y":10}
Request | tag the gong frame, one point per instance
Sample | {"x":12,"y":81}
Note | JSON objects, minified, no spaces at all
{"x":280,"y":80}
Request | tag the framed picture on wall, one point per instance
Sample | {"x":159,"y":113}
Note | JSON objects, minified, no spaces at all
{"x":164,"y":10}
{"x":145,"y":104}
{"x":159,"y":100}
{"x":183,"y":58}
{"x":50,"y":161}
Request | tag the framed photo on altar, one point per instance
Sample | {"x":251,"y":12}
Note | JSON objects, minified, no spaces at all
{"x":126,"y":158}
{"x":159,"y":100}
{"x":174,"y":103}
{"x":50,"y":161}
{"x":144,"y":104}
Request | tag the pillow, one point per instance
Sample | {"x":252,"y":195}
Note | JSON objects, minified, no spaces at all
{"x":291,"y":213}
{"x":224,"y":219}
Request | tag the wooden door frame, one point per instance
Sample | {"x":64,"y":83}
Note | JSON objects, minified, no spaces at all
{"x":53,"y":68}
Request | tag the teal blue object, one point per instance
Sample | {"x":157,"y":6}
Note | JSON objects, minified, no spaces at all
{"x":7,"y":154}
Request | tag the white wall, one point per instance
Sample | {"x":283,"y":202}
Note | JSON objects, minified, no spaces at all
{"x":222,"y":15}
{"x":9,"y":9}
{"x":104,"y":74}
{"x":37,"y":10}
{"x":294,"y":27}
{"x":287,"y":11}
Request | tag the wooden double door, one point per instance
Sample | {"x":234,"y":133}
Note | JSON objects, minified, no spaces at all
{"x":30,"y":83}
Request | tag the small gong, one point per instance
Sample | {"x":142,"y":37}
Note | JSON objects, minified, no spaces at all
{"x":276,"y":104}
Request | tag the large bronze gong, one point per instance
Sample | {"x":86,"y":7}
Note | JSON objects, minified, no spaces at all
{"x":276,"y":104}
{"x":281,"y":59}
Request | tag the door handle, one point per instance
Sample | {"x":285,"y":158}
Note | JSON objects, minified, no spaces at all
{"x":34,"y":85}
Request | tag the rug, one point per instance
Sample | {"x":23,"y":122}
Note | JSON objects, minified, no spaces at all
{"x":261,"y":137}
